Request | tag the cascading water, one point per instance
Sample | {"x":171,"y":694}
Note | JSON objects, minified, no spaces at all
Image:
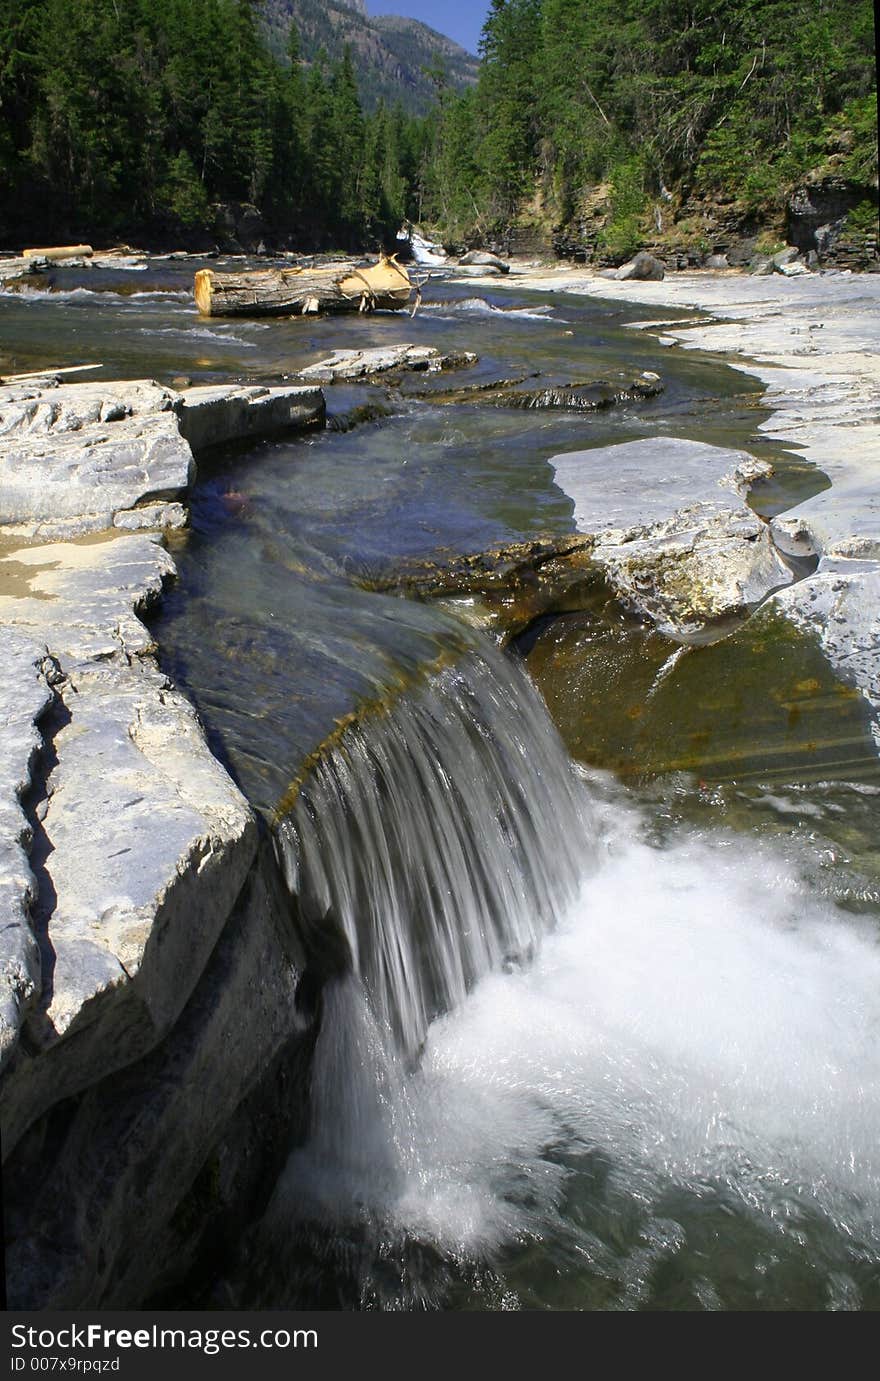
{"x":443,"y":838}
{"x":674,"y":1104}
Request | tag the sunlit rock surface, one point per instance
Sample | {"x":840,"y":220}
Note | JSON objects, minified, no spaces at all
{"x":673,"y":534}
{"x":141,"y":839}
{"x":25,"y":695}
{"x":346,"y":365}
{"x":81,"y":457}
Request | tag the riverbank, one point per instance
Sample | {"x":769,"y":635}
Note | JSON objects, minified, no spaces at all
{"x":813,"y":341}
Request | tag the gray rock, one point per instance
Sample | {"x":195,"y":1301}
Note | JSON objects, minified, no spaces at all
{"x":146,"y":840}
{"x":78,"y":458}
{"x":673,"y":533}
{"x":840,"y":606}
{"x":25,"y":695}
{"x":348,"y":365}
{"x":477,"y":271}
{"x":150,"y":516}
{"x":717,"y":261}
{"x":785,"y":257}
{"x":71,"y":481}
{"x":643,"y":267}
{"x":216,"y":415}
{"x":797,"y":269}
{"x":761,"y":266}
{"x":481,"y":256}
{"x":155,"y":1134}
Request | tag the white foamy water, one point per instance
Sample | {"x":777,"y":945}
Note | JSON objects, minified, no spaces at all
{"x":699,"y":1020}
{"x":478,"y":305}
{"x":94,"y":297}
{"x":197,"y":333}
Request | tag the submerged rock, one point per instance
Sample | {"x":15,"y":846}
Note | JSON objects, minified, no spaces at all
{"x":348,"y":365}
{"x":840,"y":605}
{"x":588,"y":397}
{"x":662,"y":527}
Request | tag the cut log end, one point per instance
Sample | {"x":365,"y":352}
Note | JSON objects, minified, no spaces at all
{"x":204,"y":291}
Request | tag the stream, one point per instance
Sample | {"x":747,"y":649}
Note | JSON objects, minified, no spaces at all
{"x":600,"y":1030}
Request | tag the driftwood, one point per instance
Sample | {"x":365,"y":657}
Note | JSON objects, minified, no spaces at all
{"x":336,"y":287}
{"x":48,"y":373}
{"x":59,"y":252}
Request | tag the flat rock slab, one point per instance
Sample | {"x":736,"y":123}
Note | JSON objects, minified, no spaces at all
{"x":673,"y":534}
{"x":81,"y":457}
{"x":83,"y":598}
{"x":79,"y":480}
{"x":214,"y":416}
{"x":343,"y":366}
{"x":144,"y":842}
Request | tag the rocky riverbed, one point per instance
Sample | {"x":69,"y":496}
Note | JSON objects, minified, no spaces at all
{"x":143,"y":927}
{"x":129,"y":857}
{"x":813,"y":339}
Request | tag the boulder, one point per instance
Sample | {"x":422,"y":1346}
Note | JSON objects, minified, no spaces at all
{"x":643,"y":267}
{"x":798,"y":268}
{"x":672,"y":531}
{"x":463,"y":270}
{"x":483,"y":257}
{"x":785,"y":257}
{"x":717,"y":261}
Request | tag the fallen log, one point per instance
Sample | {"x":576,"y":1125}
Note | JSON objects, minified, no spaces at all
{"x":297,"y":291}
{"x":59,"y":252}
{"x":48,"y":373}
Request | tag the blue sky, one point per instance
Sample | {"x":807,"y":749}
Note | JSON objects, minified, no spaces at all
{"x":459,"y":19}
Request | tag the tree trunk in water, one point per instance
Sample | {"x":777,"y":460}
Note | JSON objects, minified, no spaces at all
{"x":342,"y":287}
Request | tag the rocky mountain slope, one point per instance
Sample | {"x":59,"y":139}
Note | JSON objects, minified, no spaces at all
{"x":389,"y":52}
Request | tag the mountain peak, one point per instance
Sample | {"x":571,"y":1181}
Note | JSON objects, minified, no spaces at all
{"x":390,"y":52}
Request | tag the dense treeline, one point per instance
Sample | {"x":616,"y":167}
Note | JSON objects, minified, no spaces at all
{"x":134,"y":118}
{"x":127,"y":117}
{"x":736,"y":100}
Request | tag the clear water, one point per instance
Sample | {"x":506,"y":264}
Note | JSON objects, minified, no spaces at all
{"x":656,"y":1083}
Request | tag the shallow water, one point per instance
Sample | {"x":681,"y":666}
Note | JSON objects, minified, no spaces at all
{"x":669,"y":1102}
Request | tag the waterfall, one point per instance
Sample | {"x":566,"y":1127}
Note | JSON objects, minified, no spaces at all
{"x":441,"y":839}
{"x":689,"y":1059}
